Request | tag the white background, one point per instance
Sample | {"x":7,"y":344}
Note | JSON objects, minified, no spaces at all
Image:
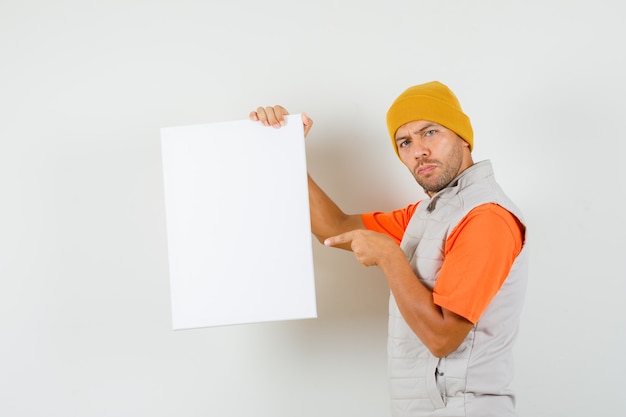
{"x":85,"y":86}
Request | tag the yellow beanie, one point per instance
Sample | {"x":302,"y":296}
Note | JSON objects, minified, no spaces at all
{"x":432,"y":101}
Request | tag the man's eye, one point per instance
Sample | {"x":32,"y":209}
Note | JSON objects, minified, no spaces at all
{"x":430,"y":132}
{"x":404,"y":144}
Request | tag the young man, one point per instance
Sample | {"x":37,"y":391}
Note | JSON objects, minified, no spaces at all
{"x":456,"y":262}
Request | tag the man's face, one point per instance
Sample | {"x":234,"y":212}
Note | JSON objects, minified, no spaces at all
{"x":434,"y":155}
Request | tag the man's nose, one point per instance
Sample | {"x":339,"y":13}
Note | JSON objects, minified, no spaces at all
{"x":420,"y":149}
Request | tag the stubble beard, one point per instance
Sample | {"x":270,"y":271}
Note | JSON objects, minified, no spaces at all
{"x":451,"y":167}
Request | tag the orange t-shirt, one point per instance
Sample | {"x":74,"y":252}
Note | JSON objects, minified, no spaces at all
{"x":478,"y":255}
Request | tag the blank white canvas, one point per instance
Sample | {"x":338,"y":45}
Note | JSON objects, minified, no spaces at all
{"x":238,"y":225}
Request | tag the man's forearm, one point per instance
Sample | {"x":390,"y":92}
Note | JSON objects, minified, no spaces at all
{"x":442,"y":331}
{"x":327,"y":219}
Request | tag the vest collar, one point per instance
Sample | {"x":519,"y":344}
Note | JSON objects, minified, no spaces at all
{"x":480,"y":169}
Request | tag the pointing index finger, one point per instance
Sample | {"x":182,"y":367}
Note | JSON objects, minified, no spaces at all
{"x":339,"y":239}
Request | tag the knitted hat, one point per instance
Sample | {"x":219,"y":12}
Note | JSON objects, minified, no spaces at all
{"x":432,"y":101}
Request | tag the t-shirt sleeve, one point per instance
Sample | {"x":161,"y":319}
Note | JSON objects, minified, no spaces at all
{"x":391,"y":223}
{"x":478,"y":256}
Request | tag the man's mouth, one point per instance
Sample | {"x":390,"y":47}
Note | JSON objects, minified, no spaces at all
{"x":425,"y":169}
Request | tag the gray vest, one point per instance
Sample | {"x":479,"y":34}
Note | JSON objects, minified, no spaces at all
{"x":474,"y":380}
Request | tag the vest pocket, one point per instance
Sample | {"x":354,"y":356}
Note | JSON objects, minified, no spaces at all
{"x":435,"y":382}
{"x":440,"y":378}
